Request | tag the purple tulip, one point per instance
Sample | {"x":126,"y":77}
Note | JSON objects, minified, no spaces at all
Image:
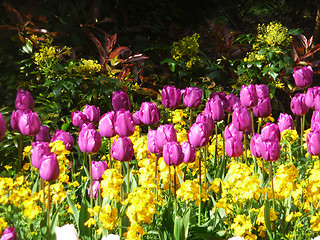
{"x":39,"y":149}
{"x":49,"y":169}
{"x":234,"y":147}
{"x":222,"y":97}
{"x":89,"y":140}
{"x":65,"y":137}
{"x":303,"y":76}
{"x":170,"y":96}
{"x":255,"y":145}
{"x":106,"y":124}
{"x":262,"y":91}
{"x":285,"y":121}
{"x":263,"y":108}
{"x":207,"y":120}
{"x":120,"y":99}
{"x":231,"y":131}
{"x":29,"y":124}
{"x":189,"y":152}
{"x":270,"y":150}
{"x":3,"y":126}
{"x":311,"y":95}
{"x":43,"y":135}
{"x":122,"y":149}
{"x":24,"y":100}
{"x":298,"y":106}
{"x":241,"y":119}
{"x":87,"y":125}
{"x":92,"y":112}
{"x":96,"y":188}
{"x":248,"y":96}
{"x":214,"y":107}
{"x":232,"y":99}
{"x":149,"y":113}
{"x":9,"y":234}
{"x":313,"y":143}
{"x":78,"y":118}
{"x":152,"y":142}
{"x":197,"y":135}
{"x":317,"y":102}
{"x":136,"y":118}
{"x":124,"y":125}
{"x":270,"y":131}
{"x":192,"y":97}
{"x":98,"y":168}
{"x":315,"y":117}
{"x":172,"y":153}
{"x":15,"y":118}
{"x":165,"y":133}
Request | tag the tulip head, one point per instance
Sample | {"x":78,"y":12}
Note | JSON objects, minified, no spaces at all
{"x":262,"y":91}
{"x":232,"y":99}
{"x":95,"y":189}
{"x":43,"y":135}
{"x":92,"y":113}
{"x":198,"y":135}
{"x":152,"y":141}
{"x":120,"y":99}
{"x":255,"y":145}
{"x":165,"y":133}
{"x":124,"y":125}
{"x":234,"y":147}
{"x":313,"y":143}
{"x":192,"y":97}
{"x":231,"y":131}
{"x":9,"y":234}
{"x":122,"y":149}
{"x":24,"y":100}
{"x":39,"y":149}
{"x":136,"y":118}
{"x":172,"y":153}
{"x":149,"y":113}
{"x":241,"y":119}
{"x":3,"y":126}
{"x":170,"y":96}
{"x":49,"y":168}
{"x":29,"y":124}
{"x":89,"y":141}
{"x":270,"y":150}
{"x":214,"y":107}
{"x":189,"y":152}
{"x":298,"y":105}
{"x":65,"y":137}
{"x":78,"y":118}
{"x":248,"y":96}
{"x":107,"y":125}
{"x":263,"y":108}
{"x":98,"y":168}
{"x":285,"y":121}
{"x":270,"y":131}
{"x":207,"y":120}
{"x":303,"y":76}
{"x":311,"y":96}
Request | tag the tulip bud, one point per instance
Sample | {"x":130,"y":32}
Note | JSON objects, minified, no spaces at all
{"x":89,"y":140}
{"x":262,"y":91}
{"x":49,"y":169}
{"x":313,"y":143}
{"x":303,"y":76}
{"x":221,"y":96}
{"x":207,"y":120}
{"x":67,"y":231}
{"x":298,"y":106}
{"x":241,"y":119}
{"x":29,"y":124}
{"x":39,"y":149}
{"x":214,"y":107}
{"x":24,"y":100}
{"x":43,"y":135}
{"x":120,"y":99}
{"x":232,"y":100}
{"x":165,"y":133}
{"x":310,"y":96}
{"x":270,"y":131}
{"x":263,"y":108}
{"x":96,"y":188}
{"x":3,"y":126}
{"x":189,"y":152}
{"x":152,"y":142}
{"x":65,"y":137}
{"x":285,"y":121}
{"x":192,"y":97}
{"x":92,"y":113}
{"x":106,"y":124}
{"x":78,"y":118}
{"x":98,"y":168}
{"x":9,"y":234}
{"x":231,"y":131}
{"x":270,"y":150}
{"x":234,"y":147}
{"x":255,"y":145}
{"x":122,"y":149}
{"x":124,"y":125}
{"x":248,"y":96}
{"x":197,"y":135}
{"x":170,"y":96}
{"x":149,"y":113}
{"x":172,"y":153}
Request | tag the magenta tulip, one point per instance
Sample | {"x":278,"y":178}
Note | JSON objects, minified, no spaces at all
{"x":136,"y":118}
{"x":170,"y":96}
{"x":39,"y":149}
{"x":78,"y":118}
{"x":262,"y":91}
{"x":87,"y":125}
{"x":270,"y":150}
{"x":198,"y":135}
{"x":172,"y":153}
{"x":241,"y":119}
{"x":65,"y":137}
{"x":303,"y":76}
{"x":96,"y":189}
{"x":270,"y":131}
{"x":120,"y":99}
{"x":9,"y":234}
{"x":189,"y":152}
{"x":222,"y":97}
{"x":29,"y":124}
{"x":49,"y":169}
{"x":89,"y":141}
{"x":231,"y":131}
{"x":24,"y":100}
{"x":234,"y":147}
{"x":248,"y":96}
{"x":15,"y":118}
{"x":263,"y":108}
{"x":285,"y":121}
{"x":208,"y":121}
{"x":98,"y":168}
{"x":298,"y":105}
{"x":310,"y":96}
{"x":192,"y":97}
{"x":149,"y":113}
{"x":3,"y":126}
{"x":232,"y":99}
{"x":124,"y":125}
{"x":152,"y":141}
{"x":255,"y":145}
{"x":122,"y":149}
{"x":106,"y":125}
{"x":165,"y":133}
{"x":43,"y":135}
{"x":214,"y":107}
{"x":92,"y":113}
{"x":313,"y":143}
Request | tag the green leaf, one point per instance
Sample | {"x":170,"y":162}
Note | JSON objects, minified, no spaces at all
{"x":65,"y":126}
{"x":186,"y":221}
{"x":74,"y":209}
{"x":83,"y":217}
{"x":267,"y":214}
{"x":179,"y":229}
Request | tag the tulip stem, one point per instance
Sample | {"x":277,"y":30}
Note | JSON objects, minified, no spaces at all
{"x":271,"y":179}
{"x":245,"y":148}
{"x":20,"y":150}
{"x":121,"y":196}
{"x":205,"y":164}
{"x":128,"y":177}
{"x":262,"y":166}
{"x":175,"y":191}
{"x":48,"y":212}
{"x":91,"y":187}
{"x":110,"y":160}
{"x":156,"y":174}
{"x":199,"y":216}
{"x":252,"y":120}
{"x":169,"y":181}
{"x":302,"y":120}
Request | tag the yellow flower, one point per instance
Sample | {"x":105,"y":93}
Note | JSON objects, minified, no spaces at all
{"x":135,"y":232}
{"x":110,"y":185}
{"x":315,"y":223}
{"x":189,"y":191}
{"x":108,"y":217}
{"x":3,"y":224}
{"x":241,"y":225}
{"x":90,"y":222}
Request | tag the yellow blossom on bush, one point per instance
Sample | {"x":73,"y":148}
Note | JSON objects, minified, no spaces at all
{"x":189,"y":191}
{"x":241,"y":225}
{"x":135,"y":232}
{"x":110,"y":185}
{"x":108,"y":217}
{"x":315,"y":223}
{"x":3,"y":224}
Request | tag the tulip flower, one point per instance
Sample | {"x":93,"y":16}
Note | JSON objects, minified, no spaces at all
{"x":189,"y":152}
{"x":39,"y":149}
{"x":263,"y":108}
{"x":303,"y":76}
{"x":313,"y":143}
{"x":152,"y":141}
{"x":270,"y":150}
{"x":29,"y":124}
{"x":165,"y":133}
{"x":24,"y":100}
{"x":120,"y":99}
{"x":15,"y":118}
{"x":231,"y":131}
{"x":172,"y":153}
{"x":87,"y":125}
{"x":317,"y":102}
{"x":43,"y":135}
{"x":298,"y":105}
{"x":262,"y":91}
{"x":311,"y":95}
{"x":315,"y":117}
{"x":234,"y":147}
{"x":49,"y":168}
{"x":149,"y":113}
{"x":207,"y":120}
{"x":3,"y":126}
{"x":285,"y":121}
{"x":232,"y":99}
{"x":255,"y":145}
{"x":124,"y":125}
{"x":122,"y":149}
{"x":248,"y":96}
{"x":89,"y":141}
{"x":78,"y":118}
{"x":270,"y":131}
{"x":241,"y":119}
{"x":136,"y":118}
{"x":95,"y":189}
{"x":98,"y":168}
{"x":214,"y":107}
{"x":9,"y":234}
{"x":92,"y":113}
{"x":67,"y":231}
{"x":222,"y":97}
{"x":170,"y":96}
{"x":197,"y":135}
{"x":106,"y":125}
{"x":192,"y":97}
{"x":65,"y":137}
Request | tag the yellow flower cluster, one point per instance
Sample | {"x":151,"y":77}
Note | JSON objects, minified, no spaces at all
{"x":189,"y":191}
{"x":274,"y":34}
{"x":140,"y":143}
{"x":45,"y":54}
{"x":86,"y":68}
{"x":110,"y":185}
{"x":108,"y":217}
{"x":135,"y":232}
{"x":147,"y":172}
{"x":164,"y":174}
{"x":3,"y":224}
{"x":260,"y":221}
{"x":179,"y":116}
{"x":285,"y":181}
{"x":242,"y":226}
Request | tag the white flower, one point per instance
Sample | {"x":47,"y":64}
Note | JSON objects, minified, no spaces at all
{"x":66,"y":232}
{"x":316,"y":238}
{"x":236,"y":238}
{"x":111,"y":237}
